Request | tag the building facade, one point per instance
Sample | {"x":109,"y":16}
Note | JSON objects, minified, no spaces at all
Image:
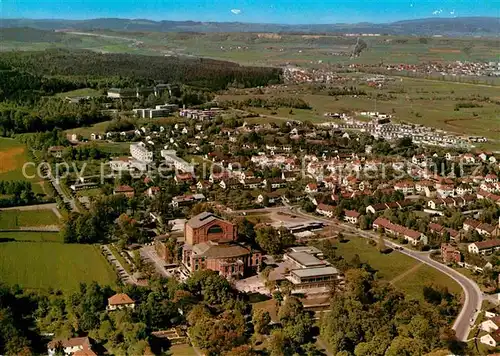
{"x":211,"y":244}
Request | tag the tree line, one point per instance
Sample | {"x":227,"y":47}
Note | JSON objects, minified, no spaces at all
{"x":144,"y":70}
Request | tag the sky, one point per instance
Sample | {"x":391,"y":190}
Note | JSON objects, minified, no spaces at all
{"x":260,"y":11}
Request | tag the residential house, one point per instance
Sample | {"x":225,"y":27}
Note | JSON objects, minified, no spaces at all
{"x":412,"y":236}
{"x":405,"y":187}
{"x":450,"y":254}
{"x":70,"y":346}
{"x":463,"y":189}
{"x":492,"y":340}
{"x":311,"y":188}
{"x":484,"y":247}
{"x":120,"y":301}
{"x":126,"y":190}
{"x":274,"y":183}
{"x":187,"y":200}
{"x":445,"y":190}
{"x":421,"y":185}
{"x":470,"y":225}
{"x":229,"y":183}
{"x":272,"y":198}
{"x":183,"y":178}
{"x":351,"y":216}
{"x":153,"y":191}
{"x":252,"y":183}
{"x":56,"y":151}
{"x":325,"y":210}
{"x":488,"y":230}
{"x":289,"y":176}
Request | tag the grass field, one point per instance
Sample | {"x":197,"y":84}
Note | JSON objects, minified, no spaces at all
{"x":408,"y":274}
{"x":80,"y":92}
{"x":428,"y":102}
{"x":38,"y":265}
{"x":13,"y":219}
{"x":31,"y":236}
{"x":87,"y":130}
{"x":182,"y":350}
{"x":12,"y":158}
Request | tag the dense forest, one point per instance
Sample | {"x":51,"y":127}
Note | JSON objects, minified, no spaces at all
{"x":144,"y":70}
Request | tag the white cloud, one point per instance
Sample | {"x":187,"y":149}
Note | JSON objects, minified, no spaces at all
{"x":452,"y":12}
{"x":437,"y":12}
{"x":236,"y":11}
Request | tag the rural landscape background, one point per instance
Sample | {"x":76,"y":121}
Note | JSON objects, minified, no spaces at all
{"x":287,"y":103}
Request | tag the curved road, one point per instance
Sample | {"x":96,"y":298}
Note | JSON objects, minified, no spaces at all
{"x":473,"y":295}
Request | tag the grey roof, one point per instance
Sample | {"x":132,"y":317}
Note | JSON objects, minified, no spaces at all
{"x":308,"y":249}
{"x":213,"y":250}
{"x":305,"y":259}
{"x":315,"y":272}
{"x":201,"y":219}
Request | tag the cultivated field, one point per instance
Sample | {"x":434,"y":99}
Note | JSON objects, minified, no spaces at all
{"x":15,"y":219}
{"x":39,"y":265}
{"x":405,"y":273}
{"x":13,"y":155}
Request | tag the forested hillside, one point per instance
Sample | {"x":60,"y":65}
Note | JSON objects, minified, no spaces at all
{"x":145,"y":70}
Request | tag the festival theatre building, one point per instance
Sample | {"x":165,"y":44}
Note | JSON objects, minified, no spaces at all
{"x":211,"y":244}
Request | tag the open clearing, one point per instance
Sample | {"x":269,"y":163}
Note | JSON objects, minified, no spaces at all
{"x":397,"y":267}
{"x":39,"y":265}
{"x":14,"y":219}
{"x":13,"y":155}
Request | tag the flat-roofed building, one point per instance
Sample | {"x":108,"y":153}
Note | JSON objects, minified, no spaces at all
{"x":314,"y":277}
{"x":308,"y":270}
{"x":178,"y":163}
{"x":140,"y":152}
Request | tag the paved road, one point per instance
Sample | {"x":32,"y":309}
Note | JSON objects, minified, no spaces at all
{"x":124,"y":275}
{"x":473,"y":295}
{"x":149,"y":252}
{"x":62,"y":194}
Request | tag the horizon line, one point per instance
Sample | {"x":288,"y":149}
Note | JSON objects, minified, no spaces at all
{"x":248,"y":22}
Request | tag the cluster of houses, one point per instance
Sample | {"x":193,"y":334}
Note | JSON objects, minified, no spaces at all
{"x":380,"y":127}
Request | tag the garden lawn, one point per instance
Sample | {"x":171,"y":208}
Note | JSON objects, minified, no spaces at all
{"x":39,"y":266}
{"x":412,"y":279}
{"x":14,"y":219}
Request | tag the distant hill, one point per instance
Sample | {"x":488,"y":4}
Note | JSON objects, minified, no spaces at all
{"x":460,"y":26}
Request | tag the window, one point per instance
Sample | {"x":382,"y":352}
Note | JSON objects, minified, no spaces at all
{"x":216,"y":229}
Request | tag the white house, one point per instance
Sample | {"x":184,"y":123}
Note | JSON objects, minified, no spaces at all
{"x":351,"y":216}
{"x":70,"y":346}
{"x":311,"y":188}
{"x":484,"y":247}
{"x":490,"y":339}
{"x":120,"y":301}
{"x":325,"y":210}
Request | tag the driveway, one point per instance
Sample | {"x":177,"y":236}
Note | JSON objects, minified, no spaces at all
{"x":124,"y":275}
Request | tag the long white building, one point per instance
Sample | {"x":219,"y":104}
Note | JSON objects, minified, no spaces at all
{"x":140,"y":152}
{"x":179,"y":164}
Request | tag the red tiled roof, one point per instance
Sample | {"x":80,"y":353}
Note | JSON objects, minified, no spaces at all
{"x":124,"y":189}
{"x":325,"y":207}
{"x":487,"y":244}
{"x":120,"y":299}
{"x":351,"y":214}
